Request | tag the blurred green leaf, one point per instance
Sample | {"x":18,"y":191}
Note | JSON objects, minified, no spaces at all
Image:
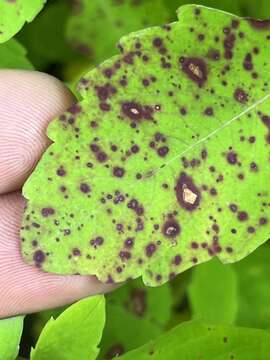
{"x":45,"y":37}
{"x":147,"y":309}
{"x":196,"y":340}
{"x":10,"y":335}
{"x":13,"y":15}
{"x":253,"y":275}
{"x":213,"y":292}
{"x":75,"y":334}
{"x":13,"y":56}
{"x":96,"y":26}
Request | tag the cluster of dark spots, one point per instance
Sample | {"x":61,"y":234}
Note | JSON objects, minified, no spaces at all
{"x":138,"y":301}
{"x":75,"y":109}
{"x":39,"y":257}
{"x":108,"y":73}
{"x":48,"y":211}
{"x":150,"y":249}
{"x":114,"y":351}
{"x":247,"y":63}
{"x":159,"y":45}
{"x":171,"y":228}
{"x":85,"y":188}
{"x":259,"y":24}
{"x":193,"y":163}
{"x":266,"y":120}
{"x":96,"y":242}
{"x":240,"y":95}
{"x":228,"y":44}
{"x":161,"y":150}
{"x":134,"y":205}
{"x":195,"y":69}
{"x":61,"y":171}
{"x":124,"y":255}
{"x":140,"y":225}
{"x":213,"y":54}
{"x":118,"y":171}
{"x":187,"y":193}
{"x":137,"y":112}
{"x":100,"y":155}
{"x":105,"y":91}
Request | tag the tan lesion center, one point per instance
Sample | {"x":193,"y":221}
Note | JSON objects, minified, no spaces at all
{"x":195,"y":70}
{"x":189,"y":196}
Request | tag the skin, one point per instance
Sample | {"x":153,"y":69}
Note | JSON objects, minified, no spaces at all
{"x":28,"y":102}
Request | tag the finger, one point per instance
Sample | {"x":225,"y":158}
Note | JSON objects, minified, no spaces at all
{"x":26,"y":289}
{"x":29,"y":100}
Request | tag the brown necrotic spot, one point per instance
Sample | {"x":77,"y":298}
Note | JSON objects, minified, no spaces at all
{"x":171,"y":228}
{"x":114,"y":351}
{"x":231,"y":157}
{"x":259,"y":24}
{"x":124,"y":255}
{"x":240,"y":95}
{"x":85,"y":188}
{"x":266,"y":121}
{"x":47,"y":211}
{"x":187,"y":193}
{"x":163,"y":151}
{"x":242,"y":216}
{"x":195,"y":68}
{"x":96,"y":242}
{"x":132,"y":110}
{"x":150,"y":249}
{"x":39,"y":257}
{"x":61,"y":171}
{"x":118,"y":171}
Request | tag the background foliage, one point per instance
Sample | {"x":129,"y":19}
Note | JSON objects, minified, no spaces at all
{"x":213,"y":310}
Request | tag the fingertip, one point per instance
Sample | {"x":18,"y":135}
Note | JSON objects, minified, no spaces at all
{"x":29,"y":100}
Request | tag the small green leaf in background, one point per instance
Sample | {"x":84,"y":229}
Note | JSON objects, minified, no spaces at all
{"x":10,"y":335}
{"x":96,"y":26}
{"x":213,"y":292}
{"x":147,"y":309}
{"x":197,"y":340}
{"x":14,"y":56}
{"x":45,"y":37}
{"x":75,"y":334}
{"x":13,"y":15}
{"x":253,"y":275}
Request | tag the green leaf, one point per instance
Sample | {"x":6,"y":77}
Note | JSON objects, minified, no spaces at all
{"x":13,"y":15}
{"x":75,"y":334}
{"x":147,"y":309}
{"x":13,"y":56}
{"x":213,"y":293}
{"x":197,"y":340}
{"x":10,"y":336}
{"x":253,"y":275}
{"x":85,"y":29}
{"x":45,"y":37}
{"x":161,"y":166}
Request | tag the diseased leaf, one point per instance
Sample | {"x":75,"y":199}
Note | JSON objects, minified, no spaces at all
{"x":161,"y":166}
{"x":13,"y":56}
{"x":10,"y":336}
{"x":147,"y":309}
{"x":96,"y":25}
{"x":75,"y":334}
{"x":197,"y":340}
{"x":13,"y":15}
{"x":254,"y":289}
{"x":213,"y":293}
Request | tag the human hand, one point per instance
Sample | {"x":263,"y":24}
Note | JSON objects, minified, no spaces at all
{"x":28,"y":101}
